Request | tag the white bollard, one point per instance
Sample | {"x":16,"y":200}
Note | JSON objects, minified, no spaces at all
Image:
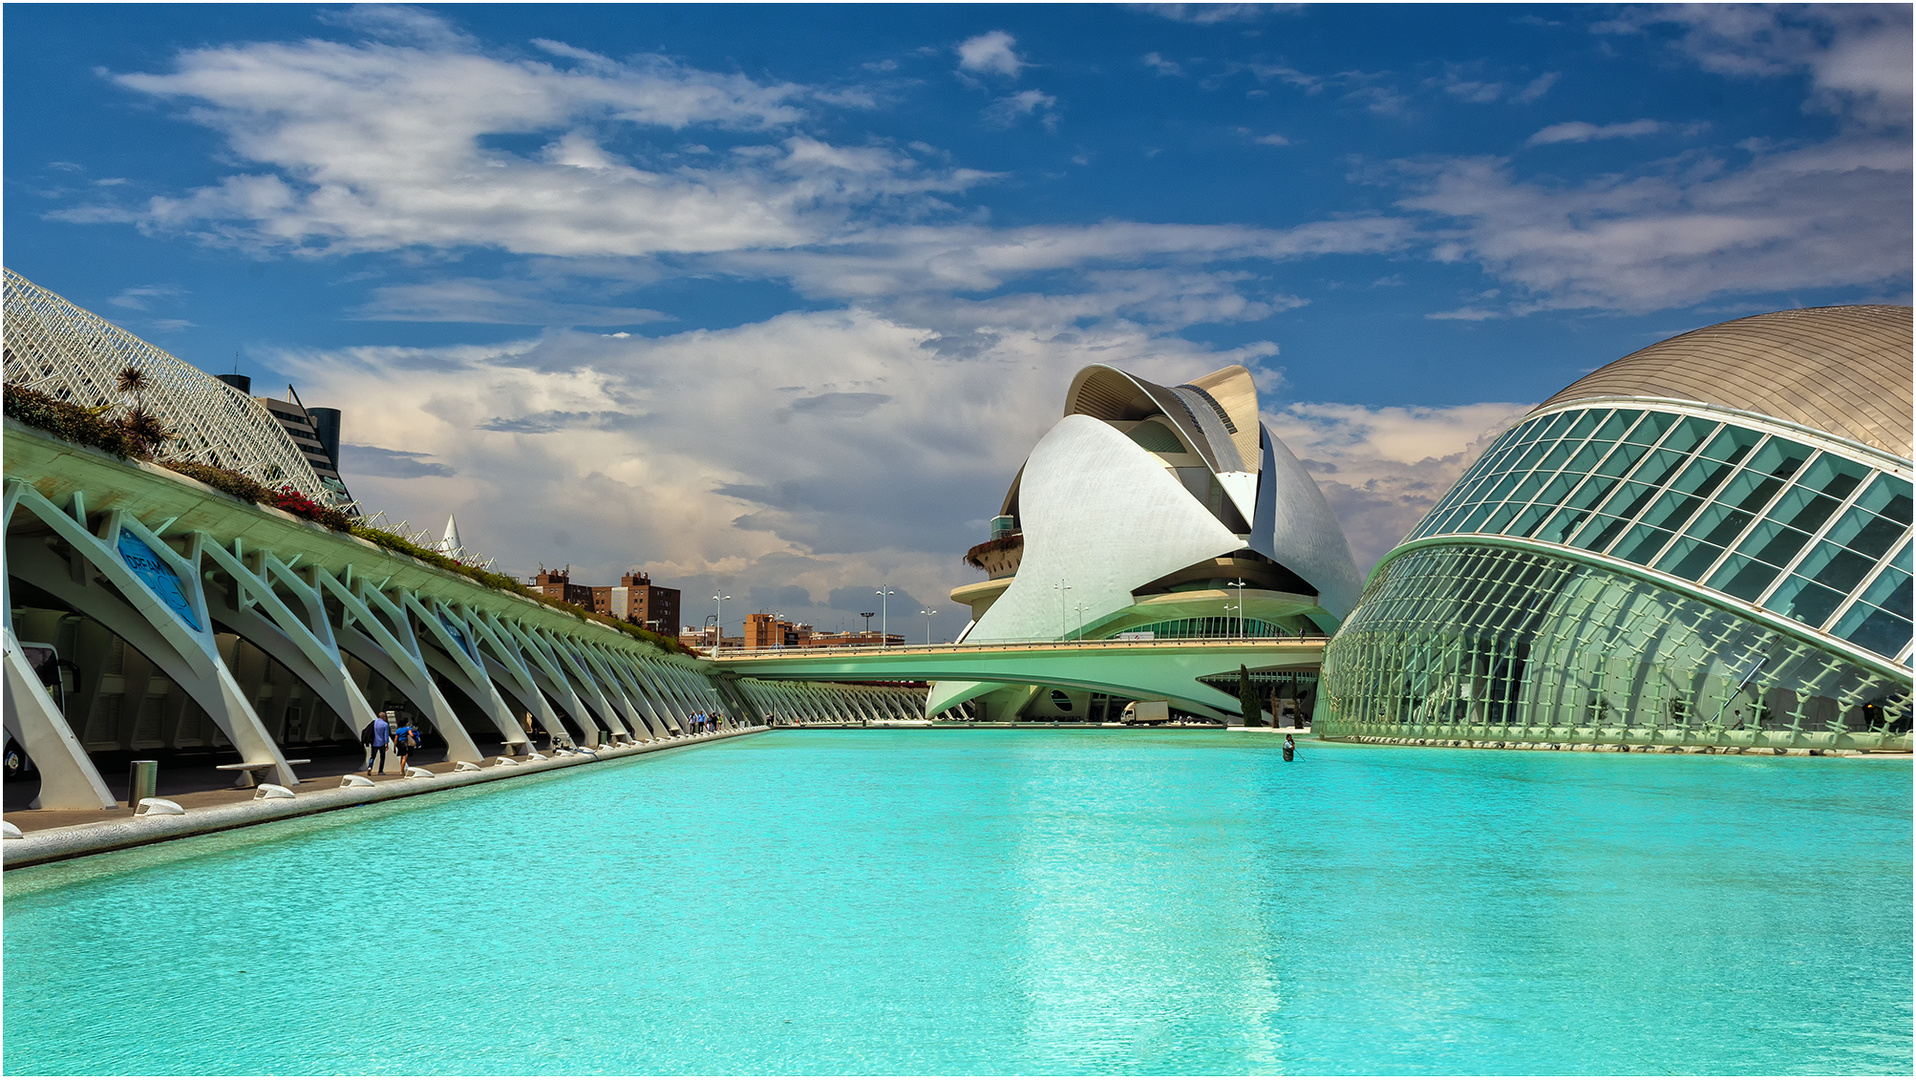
{"x":508,"y":761}
{"x":466,"y":766}
{"x":159,"y":808}
{"x":10,"y":830}
{"x":414,"y":772}
{"x":351,"y":780}
{"x":272,"y":791}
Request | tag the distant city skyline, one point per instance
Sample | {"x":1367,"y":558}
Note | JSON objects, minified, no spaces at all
{"x":771,"y":300}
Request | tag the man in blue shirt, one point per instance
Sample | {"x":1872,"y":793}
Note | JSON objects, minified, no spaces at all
{"x":378,"y":735}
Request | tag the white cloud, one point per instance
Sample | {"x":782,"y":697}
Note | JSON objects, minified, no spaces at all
{"x":1576,"y":131}
{"x":1210,"y":14}
{"x":512,"y":303}
{"x":374,"y":147}
{"x":141,"y":297}
{"x":1857,"y":55}
{"x":1536,"y":88}
{"x":1007,"y":111}
{"x":1836,"y":214}
{"x":1162,"y":66}
{"x":1383,"y":468}
{"x":990,"y":53}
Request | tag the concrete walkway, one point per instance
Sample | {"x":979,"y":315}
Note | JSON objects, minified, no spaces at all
{"x":51,"y":835}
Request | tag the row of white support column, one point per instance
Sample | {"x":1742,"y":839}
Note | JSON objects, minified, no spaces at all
{"x":835,"y":703}
{"x":165,"y":601}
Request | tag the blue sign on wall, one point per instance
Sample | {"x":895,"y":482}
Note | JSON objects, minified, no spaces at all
{"x":459,"y":637}
{"x":147,"y":565}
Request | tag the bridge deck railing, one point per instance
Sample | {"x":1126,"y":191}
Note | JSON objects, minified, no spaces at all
{"x":796,"y":651}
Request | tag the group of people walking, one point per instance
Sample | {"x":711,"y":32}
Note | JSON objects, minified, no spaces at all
{"x":702,"y":723}
{"x":392,"y":731}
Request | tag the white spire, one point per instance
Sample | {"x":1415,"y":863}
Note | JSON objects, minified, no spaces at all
{"x":450,"y":544}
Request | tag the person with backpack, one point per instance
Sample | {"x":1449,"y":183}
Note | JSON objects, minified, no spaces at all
{"x":375,"y":738}
{"x":405,"y":741}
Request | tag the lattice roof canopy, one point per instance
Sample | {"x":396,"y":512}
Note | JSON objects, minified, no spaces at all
{"x":65,"y":351}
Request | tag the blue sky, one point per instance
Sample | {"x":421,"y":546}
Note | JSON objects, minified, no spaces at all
{"x":776,"y":299}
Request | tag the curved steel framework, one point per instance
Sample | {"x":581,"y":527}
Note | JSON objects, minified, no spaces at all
{"x":1644,"y":570}
{"x":74,"y":355}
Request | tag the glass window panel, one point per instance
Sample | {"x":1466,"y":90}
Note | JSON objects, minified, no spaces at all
{"x":1719,"y":524}
{"x":1558,"y":454}
{"x":1688,"y":558}
{"x":1559,"y":486}
{"x":1731,"y":444}
{"x":1804,"y":600}
{"x":1864,"y":532}
{"x":1531,"y":455}
{"x":1586,"y":423}
{"x":1671,"y":510}
{"x":1803,"y":508}
{"x":1836,"y":567}
{"x":1597,"y":532}
{"x":1653,"y":426}
{"x":1591,"y":493}
{"x":1500,"y":517}
{"x":1629,"y":498}
{"x":1702,"y":477}
{"x":1531,"y":517}
{"x":1889,"y":497}
{"x":1618,"y":423}
{"x":1743,"y":577}
{"x":1779,"y":457}
{"x":1659,"y":467}
{"x":1586,"y":458}
{"x":1502,"y":487}
{"x":1560,"y":525}
{"x":1621,"y":459}
{"x":1890,"y":591}
{"x":1748,"y":490}
{"x":1833,"y":476}
{"x":1559,"y":424}
{"x":1879,"y":631}
{"x":1475,"y":517}
{"x":1528,"y":487}
{"x":1773,"y":542}
{"x":1689,"y":434}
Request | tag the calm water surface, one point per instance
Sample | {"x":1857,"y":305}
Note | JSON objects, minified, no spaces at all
{"x":1007,"y":902}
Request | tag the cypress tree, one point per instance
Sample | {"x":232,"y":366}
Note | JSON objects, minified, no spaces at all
{"x":1247,"y":696}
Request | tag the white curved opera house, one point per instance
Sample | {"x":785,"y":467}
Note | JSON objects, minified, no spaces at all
{"x":1150,"y":510}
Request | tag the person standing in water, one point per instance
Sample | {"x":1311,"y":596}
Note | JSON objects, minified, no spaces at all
{"x":1290,"y":747}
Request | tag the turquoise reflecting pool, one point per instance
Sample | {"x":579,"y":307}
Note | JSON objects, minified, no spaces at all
{"x":1000,"y":902}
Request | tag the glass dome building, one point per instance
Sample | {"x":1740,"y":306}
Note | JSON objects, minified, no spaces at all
{"x":1705,"y":543}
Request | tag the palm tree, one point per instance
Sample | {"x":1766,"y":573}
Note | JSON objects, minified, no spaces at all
{"x":132,"y":381}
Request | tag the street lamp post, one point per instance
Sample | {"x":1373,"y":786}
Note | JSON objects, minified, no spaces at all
{"x":867,"y":616}
{"x":928,"y":613}
{"x":1080,"y":622}
{"x":885,"y":593}
{"x":719,"y":598}
{"x":1062,"y":589}
{"x":1240,"y":606}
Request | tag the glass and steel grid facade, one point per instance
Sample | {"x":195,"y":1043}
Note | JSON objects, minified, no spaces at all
{"x":1645,"y":571}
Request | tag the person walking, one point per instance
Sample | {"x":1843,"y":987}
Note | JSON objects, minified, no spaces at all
{"x":405,"y":741}
{"x":376,"y":737}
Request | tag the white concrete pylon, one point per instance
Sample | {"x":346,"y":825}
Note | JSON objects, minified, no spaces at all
{"x":455,"y":659}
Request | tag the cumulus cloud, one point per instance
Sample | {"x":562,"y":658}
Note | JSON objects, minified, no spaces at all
{"x":990,"y":54}
{"x":709,"y":456}
{"x":1827,"y":215}
{"x":510,"y":303}
{"x":1576,"y":131}
{"x":1382,"y":469}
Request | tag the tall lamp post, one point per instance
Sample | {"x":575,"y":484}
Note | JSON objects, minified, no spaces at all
{"x":928,"y":613}
{"x":1062,"y":589}
{"x":719,"y":598}
{"x":1240,"y":606}
{"x":885,"y":593}
{"x":1080,"y":622}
